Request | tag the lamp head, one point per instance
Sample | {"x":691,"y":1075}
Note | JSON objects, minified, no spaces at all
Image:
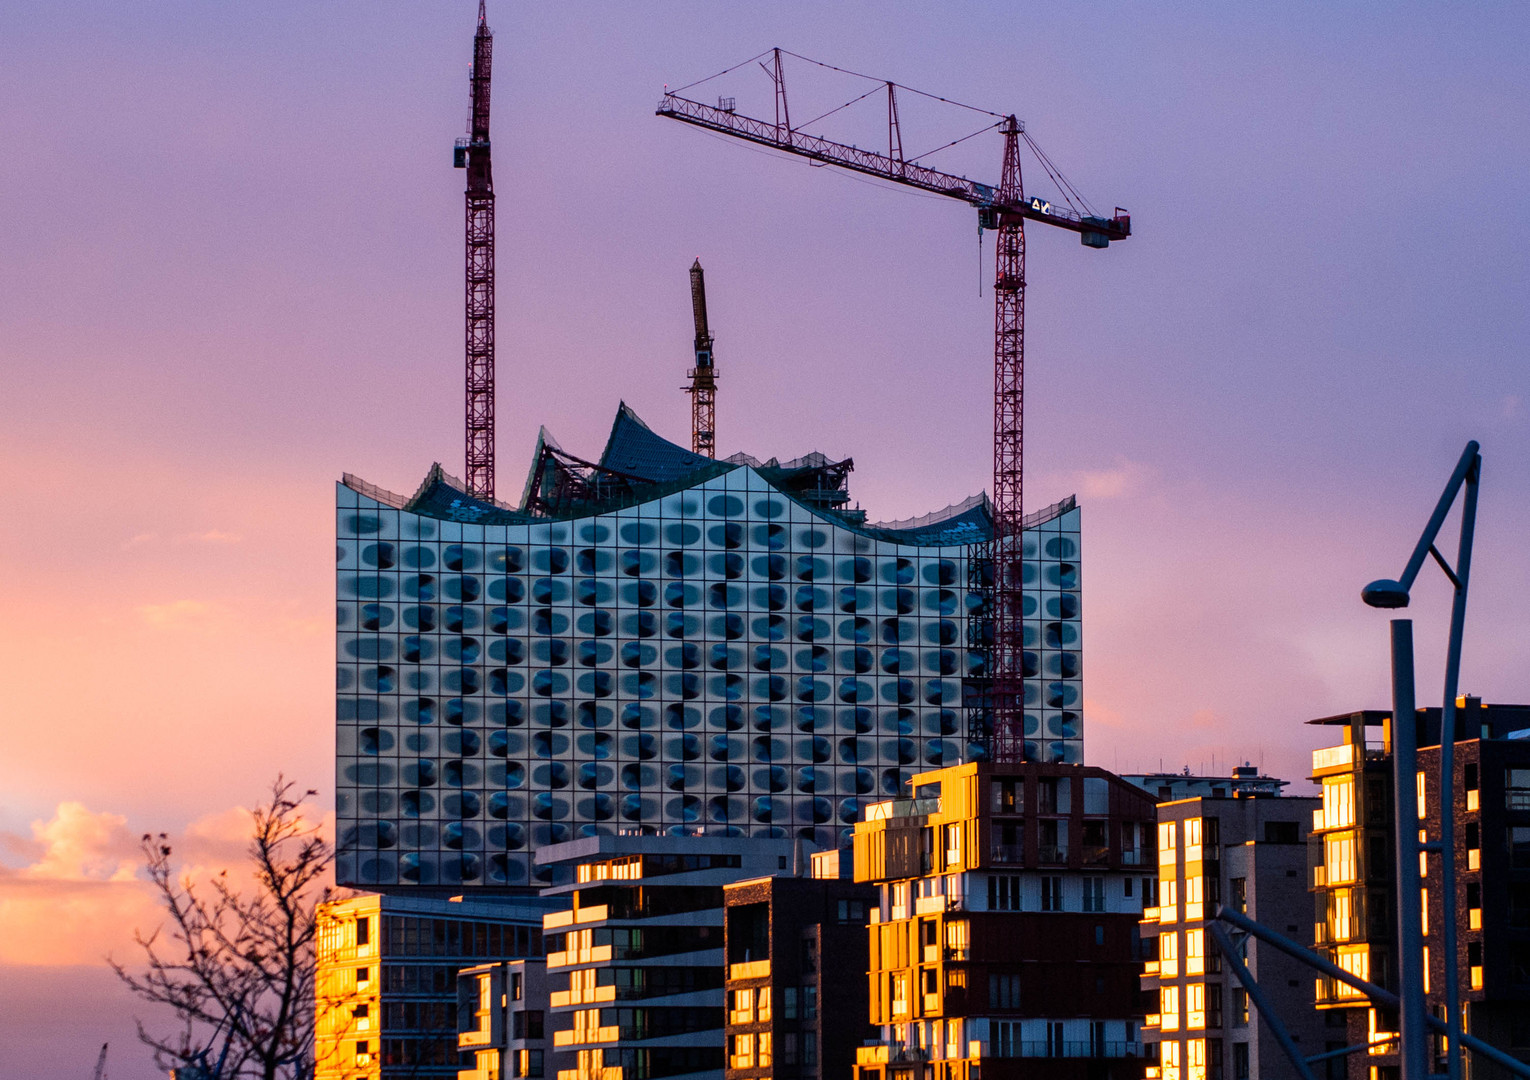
{"x":1385,"y":593}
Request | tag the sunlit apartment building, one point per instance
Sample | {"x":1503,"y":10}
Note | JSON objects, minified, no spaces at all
{"x":1005,"y":937}
{"x":502,"y":1020}
{"x":386,"y":982}
{"x":1250,"y":854}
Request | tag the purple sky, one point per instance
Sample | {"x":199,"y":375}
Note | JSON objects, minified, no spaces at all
{"x":230,"y":269}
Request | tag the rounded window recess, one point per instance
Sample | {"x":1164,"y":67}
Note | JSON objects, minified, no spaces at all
{"x":816,"y":749}
{"x":381,"y":679}
{"x":363,"y":524}
{"x":410,"y":867}
{"x":688,"y":747}
{"x":678,"y":717}
{"x":811,"y":598}
{"x":417,"y":557}
{"x":639,"y":533}
{"x":770,"y":597}
{"x":682,"y":533}
{"x":730,"y":534}
{"x":632,"y":807}
{"x":762,"y":809}
{"x":898,"y":572}
{"x":635,"y":716}
{"x":678,"y":564}
{"x":892,"y":782}
{"x":1063,"y":607}
{"x":592,"y":561}
{"x":550,"y":560}
{"x":464,"y":804}
{"x":596,"y":683}
{"x":414,"y":803}
{"x":773,"y":537}
{"x":502,"y":620}
{"x":422,"y":619}
{"x":770,"y":627}
{"x":505,"y":560}
{"x":1061,"y":547}
{"x":678,"y":625}
{"x":547,"y":621}
{"x":812,"y":629}
{"x":643,"y":747}
{"x":812,"y":538}
{"x":637,"y":563}
{"x":728,"y":717}
{"x":769,"y":508}
{"x":594,"y":533}
{"x":632,"y":777}
{"x":373,"y":649}
{"x":641,"y":624}
{"x":591,"y":592}
{"x":508,"y":713}
{"x":555,"y":775}
{"x":725,"y":506}
{"x":421,"y":773}
{"x":421,"y":710}
{"x":504,"y":743}
{"x":457,"y":557}
{"x":599,"y":623}
{"x":770,"y":566}
{"x":811,"y":568}
{"x":858,"y":570}
{"x":1063,"y":665}
{"x":858,"y":630}
{"x":376,"y":616}
{"x":907,"y":751}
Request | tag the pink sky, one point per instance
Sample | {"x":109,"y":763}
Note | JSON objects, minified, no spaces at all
{"x":230,"y":269}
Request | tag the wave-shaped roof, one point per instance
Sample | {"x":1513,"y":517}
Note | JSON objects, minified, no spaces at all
{"x":639,"y":465}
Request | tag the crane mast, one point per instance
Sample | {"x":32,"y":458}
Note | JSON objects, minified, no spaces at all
{"x":703,"y":388}
{"x":472,"y":154}
{"x":998,"y":723}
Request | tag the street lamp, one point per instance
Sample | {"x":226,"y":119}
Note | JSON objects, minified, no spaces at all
{"x":1388,"y":594}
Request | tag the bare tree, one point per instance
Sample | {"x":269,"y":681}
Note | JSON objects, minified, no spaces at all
{"x":234,"y":967}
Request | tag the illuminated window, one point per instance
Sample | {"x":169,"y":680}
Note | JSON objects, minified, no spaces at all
{"x":1423,"y":904}
{"x":1166,"y":843}
{"x":1195,"y":907}
{"x":1423,"y":804}
{"x":1192,"y":839}
{"x":1339,"y":858}
{"x":1169,"y":1059}
{"x":1168,"y":1008}
{"x":1168,"y":955}
{"x":1195,"y":952}
{"x":743,"y":1052}
{"x":1343,"y":906}
{"x":762,"y":1007}
{"x":1338,"y":802}
{"x":1355,"y":959}
{"x":900,"y":1005}
{"x":762,"y":1040}
{"x":1195,"y":1059}
{"x":742,"y":1011}
{"x":1195,"y":1007}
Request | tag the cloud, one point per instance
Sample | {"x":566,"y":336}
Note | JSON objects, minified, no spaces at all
{"x":174,"y":613}
{"x":77,"y":844}
{"x":1126,"y":478}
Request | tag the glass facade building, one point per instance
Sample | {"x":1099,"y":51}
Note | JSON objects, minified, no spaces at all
{"x":664,"y":643}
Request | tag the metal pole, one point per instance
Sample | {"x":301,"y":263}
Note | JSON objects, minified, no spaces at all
{"x":1449,"y":903}
{"x":1414,"y":1057}
{"x":1266,"y":1011}
{"x":1377,"y":995}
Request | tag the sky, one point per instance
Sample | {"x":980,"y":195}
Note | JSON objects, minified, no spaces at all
{"x":231,"y":269}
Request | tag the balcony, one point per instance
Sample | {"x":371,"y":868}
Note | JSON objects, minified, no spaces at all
{"x":929,"y":905}
{"x":1009,"y":853}
{"x":1333,"y":757}
{"x":749,"y":969}
{"x":1150,"y":968}
{"x":888,"y":1053}
{"x":1150,"y":915}
{"x":1042,"y":1048}
{"x":1051,"y":854}
{"x":1096,"y":856}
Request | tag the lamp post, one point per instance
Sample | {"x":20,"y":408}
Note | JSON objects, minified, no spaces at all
{"x":1386,"y":593}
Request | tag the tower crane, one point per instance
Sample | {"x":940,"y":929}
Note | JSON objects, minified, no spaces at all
{"x":703,"y":388}
{"x":999,"y":723}
{"x":100,"y":1073}
{"x":472,"y":153}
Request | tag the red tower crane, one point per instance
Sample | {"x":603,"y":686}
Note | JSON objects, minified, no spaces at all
{"x":472,"y":154}
{"x":703,"y":388}
{"x":1000,"y":722}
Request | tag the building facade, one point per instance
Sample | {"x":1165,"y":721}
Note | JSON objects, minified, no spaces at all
{"x":1245,"y":782}
{"x":796,"y":976}
{"x":636,"y":966}
{"x":502,"y":1020}
{"x":1250,"y":854}
{"x":1353,"y":884}
{"x":659,"y":642}
{"x":1005,"y":938}
{"x":385,"y":987}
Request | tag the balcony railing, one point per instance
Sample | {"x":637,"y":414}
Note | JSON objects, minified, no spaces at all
{"x":1096,"y":856}
{"x":1043,"y":1048}
{"x":1009,"y":853}
{"x":1053,"y":854}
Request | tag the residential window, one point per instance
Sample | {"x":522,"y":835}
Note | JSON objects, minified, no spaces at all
{"x":526,"y":1063}
{"x":1168,"y":1053}
{"x":1008,"y":796}
{"x":1126,"y":884}
{"x":1195,"y":1054}
{"x":1094,"y":894}
{"x":1240,"y":1007}
{"x":789,"y":1048}
{"x":1339,"y":858}
{"x":1168,"y":1008}
{"x":1195,"y":906}
{"x":1168,"y":954}
{"x":1240,"y":1061}
{"x":1004,"y":991}
{"x":1238,"y":887}
{"x":1517,"y":789}
{"x":1195,"y":952}
{"x":1195,"y":1007}
{"x":1167,"y":845}
{"x":809,"y":1049}
{"x":363,"y":976}
{"x":763,"y":1043}
{"x":1192,"y":839}
{"x":742,"y":1011}
{"x":810,"y":1003}
{"x":1051,"y":893}
{"x":528,"y":1024}
{"x":742,"y":1056}
{"x":363,"y":931}
{"x":789,"y":1003}
{"x":852,"y":911}
{"x":1519,"y":847}
{"x":1338,"y":802}
{"x":1004,"y":892}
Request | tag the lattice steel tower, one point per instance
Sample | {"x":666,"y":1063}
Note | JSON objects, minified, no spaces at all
{"x":472,"y":154}
{"x":703,"y":388}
